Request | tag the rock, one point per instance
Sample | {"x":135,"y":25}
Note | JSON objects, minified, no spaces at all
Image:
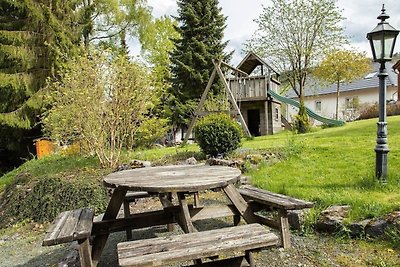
{"x":191,"y":161}
{"x":376,"y":228}
{"x":357,"y":228}
{"x":393,"y":218}
{"x":123,"y":167}
{"x":225,"y":162}
{"x":296,"y":218}
{"x":255,"y":158}
{"x":244,"y":180}
{"x":331,"y":219}
{"x":139,"y":164}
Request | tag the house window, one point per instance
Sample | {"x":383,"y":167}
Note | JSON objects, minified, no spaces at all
{"x":351,"y":102}
{"x":318,"y":105}
{"x":276,"y":114}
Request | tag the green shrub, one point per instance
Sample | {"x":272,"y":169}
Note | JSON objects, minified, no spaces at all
{"x":217,"y":134}
{"x":150,"y":131}
{"x":301,"y":123}
{"x":45,"y":199}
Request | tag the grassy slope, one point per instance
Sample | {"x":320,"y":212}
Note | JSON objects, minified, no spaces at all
{"x":330,"y":166}
{"x":334,"y":166}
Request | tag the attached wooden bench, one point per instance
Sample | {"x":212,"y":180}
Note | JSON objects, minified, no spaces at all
{"x":72,"y":225}
{"x":186,"y":247}
{"x":282,"y":203}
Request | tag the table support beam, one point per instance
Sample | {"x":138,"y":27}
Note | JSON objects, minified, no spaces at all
{"x":112,"y":210}
{"x":241,"y":204}
{"x":185,"y":215}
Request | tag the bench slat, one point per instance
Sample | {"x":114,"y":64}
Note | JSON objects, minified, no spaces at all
{"x":67,"y":232}
{"x":69,"y":226}
{"x":164,"y":250}
{"x":55,"y":228}
{"x":85,"y":224}
{"x":232,"y":262}
{"x":273,"y":199}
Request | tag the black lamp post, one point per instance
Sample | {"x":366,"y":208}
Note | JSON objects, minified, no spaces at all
{"x":382,"y":40}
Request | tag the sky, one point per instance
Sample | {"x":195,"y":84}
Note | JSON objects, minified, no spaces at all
{"x":360,"y":18}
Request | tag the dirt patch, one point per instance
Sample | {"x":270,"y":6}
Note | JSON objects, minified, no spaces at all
{"x":22,"y":247}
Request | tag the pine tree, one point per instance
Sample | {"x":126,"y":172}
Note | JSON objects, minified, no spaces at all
{"x":35,"y":37}
{"x":201,"y":27}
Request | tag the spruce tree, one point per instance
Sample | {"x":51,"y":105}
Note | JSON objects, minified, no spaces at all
{"x":201,"y":27}
{"x":35,"y":38}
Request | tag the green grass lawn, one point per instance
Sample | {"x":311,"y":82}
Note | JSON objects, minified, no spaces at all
{"x":328,"y":166}
{"x":334,"y":166}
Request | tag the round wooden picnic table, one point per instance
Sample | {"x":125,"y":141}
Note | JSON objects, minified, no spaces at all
{"x":176,"y":178}
{"x":179,"y":179}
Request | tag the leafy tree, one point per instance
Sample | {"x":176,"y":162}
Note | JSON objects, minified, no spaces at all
{"x":34,"y":38}
{"x":100,"y":103}
{"x":293,"y":35}
{"x":156,"y":46}
{"x":342,"y":66}
{"x":201,"y":27}
{"x":109,"y":21}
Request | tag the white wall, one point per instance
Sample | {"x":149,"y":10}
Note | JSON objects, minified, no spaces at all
{"x":328,"y":102}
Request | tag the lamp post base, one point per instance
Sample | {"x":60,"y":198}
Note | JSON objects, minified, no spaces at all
{"x":382,"y":150}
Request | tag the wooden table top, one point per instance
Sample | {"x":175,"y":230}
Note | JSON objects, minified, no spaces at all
{"x":175,"y":178}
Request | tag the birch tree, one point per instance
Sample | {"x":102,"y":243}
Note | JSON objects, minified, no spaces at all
{"x":342,"y":66}
{"x":294,"y":35}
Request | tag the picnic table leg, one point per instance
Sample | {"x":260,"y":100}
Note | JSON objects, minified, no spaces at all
{"x":185,"y":219}
{"x":284,"y":227}
{"x":196,"y":200}
{"x":112,"y":210}
{"x":240,"y":204}
{"x":85,"y":253}
{"x":250,"y":259}
{"x":166,"y":201}
{"x":127,"y":213}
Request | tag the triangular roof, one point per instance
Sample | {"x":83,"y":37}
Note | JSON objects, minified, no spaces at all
{"x":251,"y":61}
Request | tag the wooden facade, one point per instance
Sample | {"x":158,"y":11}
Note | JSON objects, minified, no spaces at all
{"x":261,"y":112}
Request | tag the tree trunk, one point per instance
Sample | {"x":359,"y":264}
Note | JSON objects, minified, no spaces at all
{"x":337,"y":99}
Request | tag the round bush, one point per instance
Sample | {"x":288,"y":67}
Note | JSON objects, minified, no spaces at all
{"x":217,"y":134}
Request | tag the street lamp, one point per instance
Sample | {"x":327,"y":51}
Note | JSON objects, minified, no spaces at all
{"x":382,"y":40}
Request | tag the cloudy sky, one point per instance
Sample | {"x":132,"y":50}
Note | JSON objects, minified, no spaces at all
{"x":360,"y":18}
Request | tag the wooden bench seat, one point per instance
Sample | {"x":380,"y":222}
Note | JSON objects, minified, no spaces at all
{"x":199,"y":245}
{"x":281,"y":203}
{"x":72,"y":225}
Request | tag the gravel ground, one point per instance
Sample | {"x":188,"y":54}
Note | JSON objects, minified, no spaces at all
{"x":22,"y":247}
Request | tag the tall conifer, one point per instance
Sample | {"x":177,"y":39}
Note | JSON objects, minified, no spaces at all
{"x":35,"y":37}
{"x":201,"y":27}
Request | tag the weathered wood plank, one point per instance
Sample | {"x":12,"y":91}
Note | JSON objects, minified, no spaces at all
{"x":52,"y":234}
{"x":168,"y":179}
{"x":284,"y":226}
{"x":232,"y":262}
{"x":111,"y":213}
{"x":273,"y":199}
{"x":165,"y":250}
{"x":185,"y":215}
{"x":67,"y":232}
{"x":240,"y":203}
{"x":85,"y":223}
{"x":85,"y":253}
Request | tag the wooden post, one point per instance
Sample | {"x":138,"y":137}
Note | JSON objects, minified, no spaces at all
{"x":241,"y":204}
{"x":231,"y":98}
{"x":284,"y":227}
{"x":201,"y":103}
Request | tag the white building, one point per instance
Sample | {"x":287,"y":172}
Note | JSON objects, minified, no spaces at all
{"x":322,"y":99}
